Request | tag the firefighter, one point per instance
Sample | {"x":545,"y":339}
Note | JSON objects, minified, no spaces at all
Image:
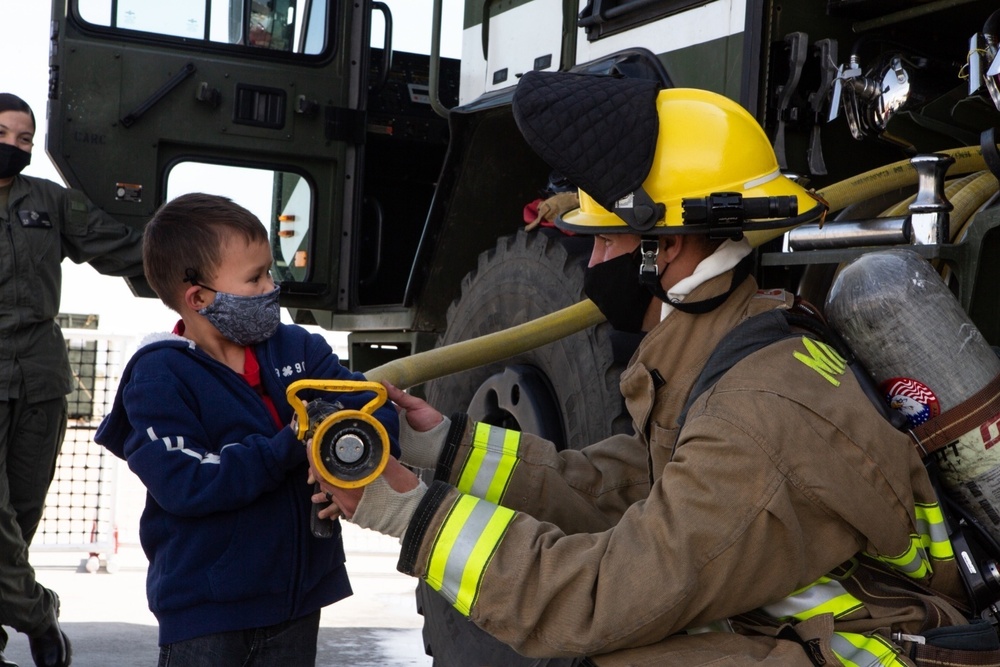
{"x":43,"y":222}
{"x":778,"y":518}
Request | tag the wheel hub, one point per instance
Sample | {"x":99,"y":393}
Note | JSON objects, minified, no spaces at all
{"x":519,"y":398}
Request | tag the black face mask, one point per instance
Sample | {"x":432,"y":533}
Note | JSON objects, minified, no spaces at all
{"x":615,"y":288}
{"x":12,"y":160}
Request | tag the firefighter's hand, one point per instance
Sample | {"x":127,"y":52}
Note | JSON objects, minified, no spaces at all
{"x":386,"y":505}
{"x":422,"y":429}
{"x":554,"y":206}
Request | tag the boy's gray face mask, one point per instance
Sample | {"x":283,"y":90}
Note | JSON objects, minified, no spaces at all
{"x":245,"y":320}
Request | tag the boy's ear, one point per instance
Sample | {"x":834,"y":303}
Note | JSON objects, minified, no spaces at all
{"x":196,"y":298}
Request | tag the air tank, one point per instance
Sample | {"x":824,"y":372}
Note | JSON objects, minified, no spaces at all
{"x":927,"y":357}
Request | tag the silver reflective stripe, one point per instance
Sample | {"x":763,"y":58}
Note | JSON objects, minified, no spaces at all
{"x":490,"y":463}
{"x":918,"y":563}
{"x":845,"y":650}
{"x":936,"y":531}
{"x":767,"y":178}
{"x":465,"y":543}
{"x":806,"y":600}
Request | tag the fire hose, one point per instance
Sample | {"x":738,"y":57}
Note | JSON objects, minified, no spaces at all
{"x":407,"y":372}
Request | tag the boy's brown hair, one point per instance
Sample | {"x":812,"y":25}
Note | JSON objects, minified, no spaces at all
{"x":184,"y":239}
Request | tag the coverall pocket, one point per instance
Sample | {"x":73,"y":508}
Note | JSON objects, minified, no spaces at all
{"x":42,"y":239}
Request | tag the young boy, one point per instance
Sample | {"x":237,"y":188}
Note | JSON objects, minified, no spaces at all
{"x":235,"y":575}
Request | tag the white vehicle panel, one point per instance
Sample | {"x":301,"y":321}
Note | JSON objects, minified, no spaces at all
{"x":695,"y":26}
{"x":517,"y":38}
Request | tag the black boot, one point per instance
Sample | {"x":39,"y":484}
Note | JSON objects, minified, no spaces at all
{"x":51,"y":648}
{"x":4,"y":662}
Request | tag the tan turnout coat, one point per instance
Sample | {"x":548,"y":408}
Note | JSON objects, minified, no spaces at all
{"x":780,"y":474}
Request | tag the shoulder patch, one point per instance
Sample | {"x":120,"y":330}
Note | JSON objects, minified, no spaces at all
{"x":912,"y":398}
{"x":823,"y":359}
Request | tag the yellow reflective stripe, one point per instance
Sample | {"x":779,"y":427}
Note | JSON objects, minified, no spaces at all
{"x":932,"y":540}
{"x":447,"y":536}
{"x":823,"y":359}
{"x":933,"y":532}
{"x":826,"y":596}
{"x":855,"y":650}
{"x":913,"y":563}
{"x":463,"y":547}
{"x":490,"y":465}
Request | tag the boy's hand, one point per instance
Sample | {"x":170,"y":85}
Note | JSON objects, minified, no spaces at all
{"x":294,"y":424}
{"x":422,"y":429}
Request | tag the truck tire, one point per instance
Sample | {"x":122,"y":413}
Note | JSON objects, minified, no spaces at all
{"x":566,"y":391}
{"x":524,"y":277}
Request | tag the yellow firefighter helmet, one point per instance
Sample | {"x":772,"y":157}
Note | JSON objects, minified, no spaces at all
{"x":706,"y":144}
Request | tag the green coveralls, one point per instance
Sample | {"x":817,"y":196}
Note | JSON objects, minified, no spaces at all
{"x":42,"y":223}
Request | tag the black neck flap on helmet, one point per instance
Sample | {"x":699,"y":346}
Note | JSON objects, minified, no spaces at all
{"x":598,"y":131}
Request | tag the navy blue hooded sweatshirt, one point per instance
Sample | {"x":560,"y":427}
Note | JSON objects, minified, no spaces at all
{"x":226,"y":522}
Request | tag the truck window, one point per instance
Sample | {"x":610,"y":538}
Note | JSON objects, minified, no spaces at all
{"x":411,"y":27}
{"x":601,"y":18}
{"x":282,"y":200}
{"x":274,"y":25}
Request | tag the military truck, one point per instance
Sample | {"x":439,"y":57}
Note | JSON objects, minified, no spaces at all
{"x":394,"y":182}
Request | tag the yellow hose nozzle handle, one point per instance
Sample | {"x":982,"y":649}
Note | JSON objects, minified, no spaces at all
{"x":349,"y":448}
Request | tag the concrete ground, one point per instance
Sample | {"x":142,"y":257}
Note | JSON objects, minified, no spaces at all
{"x":109,"y":624}
{"x":107,"y":620}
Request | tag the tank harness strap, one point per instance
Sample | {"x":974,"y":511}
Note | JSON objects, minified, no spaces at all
{"x":925,"y":654}
{"x":759,"y":331}
{"x":749,"y":336}
{"x":951,"y":424}
{"x":810,"y":647}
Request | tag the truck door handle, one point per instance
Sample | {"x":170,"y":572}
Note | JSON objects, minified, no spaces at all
{"x":383,"y":75}
{"x":152,"y":100}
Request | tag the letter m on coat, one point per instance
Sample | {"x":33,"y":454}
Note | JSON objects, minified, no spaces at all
{"x":823,"y":359}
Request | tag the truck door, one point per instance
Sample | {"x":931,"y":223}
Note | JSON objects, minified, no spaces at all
{"x":261,"y":100}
